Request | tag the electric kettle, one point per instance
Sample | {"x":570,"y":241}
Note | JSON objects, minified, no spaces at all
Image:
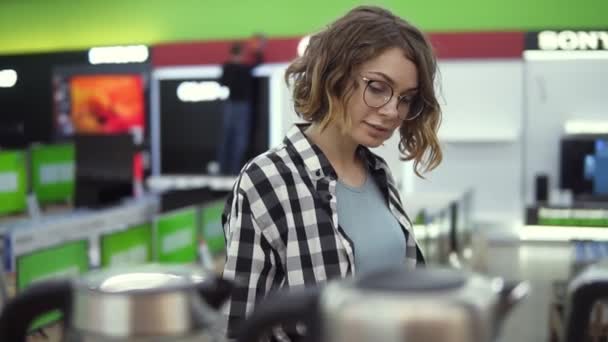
{"x":145,"y":303}
{"x":586,"y":289}
{"x":392,"y":305}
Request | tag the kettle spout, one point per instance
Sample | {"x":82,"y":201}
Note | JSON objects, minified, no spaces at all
{"x":510,"y":294}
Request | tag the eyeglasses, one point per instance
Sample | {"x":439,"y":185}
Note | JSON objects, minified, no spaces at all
{"x":378,"y":93}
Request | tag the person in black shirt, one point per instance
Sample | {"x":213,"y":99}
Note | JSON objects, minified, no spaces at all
{"x":237,"y":113}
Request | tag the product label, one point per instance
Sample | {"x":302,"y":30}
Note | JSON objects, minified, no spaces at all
{"x":178,"y":240}
{"x":57,"y":173}
{"x":8,"y":181}
{"x":130,"y":246}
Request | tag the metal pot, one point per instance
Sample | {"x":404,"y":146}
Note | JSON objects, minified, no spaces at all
{"x":146,"y":303}
{"x":392,"y":305}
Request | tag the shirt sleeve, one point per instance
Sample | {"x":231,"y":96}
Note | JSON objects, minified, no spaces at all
{"x":250,"y":261}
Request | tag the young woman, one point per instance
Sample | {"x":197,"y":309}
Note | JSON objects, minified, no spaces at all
{"x":322,"y":205}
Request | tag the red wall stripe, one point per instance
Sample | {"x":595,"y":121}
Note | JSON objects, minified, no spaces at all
{"x":478,"y":45}
{"x":464,"y":45}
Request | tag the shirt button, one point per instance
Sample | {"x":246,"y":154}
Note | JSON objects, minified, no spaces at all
{"x":318,"y":173}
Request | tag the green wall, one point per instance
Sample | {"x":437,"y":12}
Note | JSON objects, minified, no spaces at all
{"x":47,"y":25}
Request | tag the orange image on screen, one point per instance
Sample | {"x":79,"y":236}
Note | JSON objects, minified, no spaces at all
{"x":107,"y":103}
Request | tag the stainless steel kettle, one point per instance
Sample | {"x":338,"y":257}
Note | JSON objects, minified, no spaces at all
{"x":392,"y":305}
{"x":585,"y":291}
{"x":146,"y":303}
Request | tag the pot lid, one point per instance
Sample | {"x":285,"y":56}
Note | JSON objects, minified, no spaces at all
{"x":418,"y":280}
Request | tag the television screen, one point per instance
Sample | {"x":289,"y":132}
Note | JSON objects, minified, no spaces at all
{"x":196,"y":135}
{"x":584,"y":165}
{"x":599,"y":173}
{"x":105,"y":169}
{"x":100,"y":99}
{"x":27,"y":113}
{"x":104,"y":104}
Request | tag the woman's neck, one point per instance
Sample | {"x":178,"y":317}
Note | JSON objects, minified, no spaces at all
{"x":339,"y":149}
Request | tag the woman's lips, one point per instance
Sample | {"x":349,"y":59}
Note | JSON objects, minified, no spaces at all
{"x":377,"y":127}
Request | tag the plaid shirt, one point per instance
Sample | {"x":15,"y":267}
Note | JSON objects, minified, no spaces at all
{"x":281,"y":223}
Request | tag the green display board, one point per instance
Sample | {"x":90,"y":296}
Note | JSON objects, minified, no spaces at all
{"x":211,"y":226}
{"x":176,"y":234}
{"x":65,"y":260}
{"x":53,"y":172}
{"x":12,"y":182}
{"x":86,"y":25}
{"x":127,"y":247}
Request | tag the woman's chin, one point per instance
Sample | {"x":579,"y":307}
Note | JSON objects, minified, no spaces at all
{"x":370,"y":142}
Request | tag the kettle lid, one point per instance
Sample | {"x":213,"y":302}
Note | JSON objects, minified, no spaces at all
{"x":142,"y":279}
{"x":144,"y":300}
{"x":417,"y":280}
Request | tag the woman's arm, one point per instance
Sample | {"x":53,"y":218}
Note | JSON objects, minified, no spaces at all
{"x":250,"y":261}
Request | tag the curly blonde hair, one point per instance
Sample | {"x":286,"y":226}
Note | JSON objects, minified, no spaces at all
{"x":322,"y":77}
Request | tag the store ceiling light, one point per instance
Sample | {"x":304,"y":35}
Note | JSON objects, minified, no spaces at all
{"x":191,"y":91}
{"x":118,"y":54}
{"x":302,"y":45}
{"x":8,"y":78}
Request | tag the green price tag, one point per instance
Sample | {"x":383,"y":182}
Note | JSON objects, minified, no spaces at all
{"x":12,"y":182}
{"x":211,"y":226}
{"x":65,"y":260}
{"x":127,"y":247}
{"x":53,"y":172}
{"x":176,"y":237}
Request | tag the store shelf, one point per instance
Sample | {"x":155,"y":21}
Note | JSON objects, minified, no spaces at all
{"x":537,"y":233}
{"x":188,"y":182}
{"x":32,"y":235}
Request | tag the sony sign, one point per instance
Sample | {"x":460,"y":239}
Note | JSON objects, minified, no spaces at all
{"x":569,"y":40}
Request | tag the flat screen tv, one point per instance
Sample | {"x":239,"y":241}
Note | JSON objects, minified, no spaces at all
{"x":584,"y":166}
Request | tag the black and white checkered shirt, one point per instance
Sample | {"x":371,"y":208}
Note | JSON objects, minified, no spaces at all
{"x":281,"y":223}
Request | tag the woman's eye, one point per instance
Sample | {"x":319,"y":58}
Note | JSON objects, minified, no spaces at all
{"x":377,"y":87}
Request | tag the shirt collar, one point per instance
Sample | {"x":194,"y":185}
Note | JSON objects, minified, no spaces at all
{"x":314,"y":159}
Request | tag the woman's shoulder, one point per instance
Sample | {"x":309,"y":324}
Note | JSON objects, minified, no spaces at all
{"x":268,"y":170}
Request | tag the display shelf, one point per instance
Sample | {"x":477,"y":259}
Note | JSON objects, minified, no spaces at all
{"x":165,"y":183}
{"x":31,"y":235}
{"x":538,"y":233}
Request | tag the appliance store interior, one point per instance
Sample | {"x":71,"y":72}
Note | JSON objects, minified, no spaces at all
{"x":111,"y":145}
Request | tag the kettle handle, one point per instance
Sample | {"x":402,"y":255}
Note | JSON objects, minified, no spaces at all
{"x":581,"y":304}
{"x":279,"y":310}
{"x":215,"y":291}
{"x":37,"y":299}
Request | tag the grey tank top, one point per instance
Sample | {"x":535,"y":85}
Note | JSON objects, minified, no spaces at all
{"x":364,"y":215}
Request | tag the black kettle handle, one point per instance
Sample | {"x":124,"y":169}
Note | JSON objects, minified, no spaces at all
{"x":280,"y":310}
{"x":37,"y":299}
{"x":580,"y":306}
{"x":215,"y":291}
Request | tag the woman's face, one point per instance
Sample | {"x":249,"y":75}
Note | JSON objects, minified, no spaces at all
{"x":371,"y":126}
